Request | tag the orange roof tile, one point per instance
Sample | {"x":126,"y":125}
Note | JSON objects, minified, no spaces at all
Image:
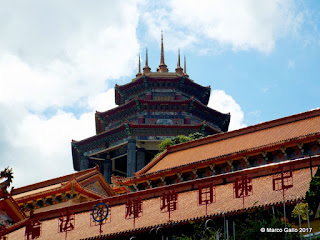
{"x":54,"y":181}
{"x":83,"y":180}
{"x":188,"y":208}
{"x":60,"y":189}
{"x":257,"y":136}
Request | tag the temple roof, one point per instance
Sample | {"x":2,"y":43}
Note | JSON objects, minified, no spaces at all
{"x":140,"y":83}
{"x":188,"y":208}
{"x":125,"y":130}
{"x":258,"y":136}
{"x":82,"y":178}
{"x":220,"y":120}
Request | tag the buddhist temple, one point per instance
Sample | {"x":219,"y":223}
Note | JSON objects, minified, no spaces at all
{"x":211,"y":185}
{"x":152,"y":107}
{"x":218,"y":178}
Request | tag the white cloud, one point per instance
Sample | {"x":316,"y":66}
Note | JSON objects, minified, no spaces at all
{"x":38,"y":148}
{"x":243,"y":25}
{"x":224,"y":103}
{"x":56,"y":56}
{"x":103,"y":101}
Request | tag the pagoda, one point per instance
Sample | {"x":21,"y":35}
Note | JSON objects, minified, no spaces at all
{"x":152,"y":107}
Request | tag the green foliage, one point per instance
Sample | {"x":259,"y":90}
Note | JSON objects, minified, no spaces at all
{"x":176,"y":140}
{"x":164,"y":144}
{"x":179,"y":139}
{"x":199,"y":232}
{"x":303,"y":211}
{"x":249,"y":228}
{"x":313,"y":194}
{"x":196,"y":135}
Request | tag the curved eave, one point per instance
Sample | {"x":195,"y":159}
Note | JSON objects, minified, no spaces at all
{"x":225,"y":117}
{"x":116,"y":109}
{"x":169,"y":76}
{"x":98,"y":136}
{"x":157,"y":126}
{"x":67,"y":187}
{"x":76,"y":144}
{"x":201,"y":88}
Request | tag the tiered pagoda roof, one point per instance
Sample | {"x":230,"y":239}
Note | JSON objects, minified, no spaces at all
{"x":217,"y":120}
{"x":156,"y":80}
{"x":152,"y":107}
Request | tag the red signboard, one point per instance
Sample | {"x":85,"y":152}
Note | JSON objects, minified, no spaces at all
{"x":283,"y":179}
{"x":168,"y":202}
{"x":242,"y":187}
{"x":33,"y":229}
{"x":207,"y":194}
{"x":66,"y":223}
{"x":133,"y":209}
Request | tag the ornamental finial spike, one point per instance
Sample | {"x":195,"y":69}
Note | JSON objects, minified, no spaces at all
{"x":147,"y":57}
{"x":185,"y":67}
{"x":179,"y":69}
{"x":146,"y":69}
{"x":139,"y":64}
{"x":162,"y":67}
{"x":139,"y":73}
{"x":162,"y":51}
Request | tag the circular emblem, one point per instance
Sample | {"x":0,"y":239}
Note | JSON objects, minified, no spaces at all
{"x":100,"y":212}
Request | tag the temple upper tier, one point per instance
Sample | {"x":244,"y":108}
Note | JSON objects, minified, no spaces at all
{"x":152,"y":107}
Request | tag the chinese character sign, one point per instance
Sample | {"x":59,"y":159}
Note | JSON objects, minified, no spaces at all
{"x":168,"y":201}
{"x":133,"y":208}
{"x":66,"y":223}
{"x":242,"y":187}
{"x":282,"y":180}
{"x":206,"y":194}
{"x":33,"y":229}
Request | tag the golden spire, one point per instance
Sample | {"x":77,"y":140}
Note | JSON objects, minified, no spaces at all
{"x":139,"y":73}
{"x":179,"y":69}
{"x":185,"y":67}
{"x":162,"y":52}
{"x":147,"y":57}
{"x":162,"y":67}
{"x":146,"y":68}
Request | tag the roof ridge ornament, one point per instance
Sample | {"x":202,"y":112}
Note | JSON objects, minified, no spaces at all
{"x":185,"y":67}
{"x":146,"y":68}
{"x":179,"y":69}
{"x":139,"y":73}
{"x":162,"y":67}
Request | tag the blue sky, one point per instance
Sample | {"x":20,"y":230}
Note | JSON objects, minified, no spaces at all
{"x":59,"y":62}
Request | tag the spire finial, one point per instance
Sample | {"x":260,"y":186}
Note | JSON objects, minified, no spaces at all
{"x":146,"y":68}
{"x":139,"y":73}
{"x":162,"y":67}
{"x":162,"y":51}
{"x":139,"y":64}
{"x":185,"y":66}
{"x":147,"y":57}
{"x":179,"y":68}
